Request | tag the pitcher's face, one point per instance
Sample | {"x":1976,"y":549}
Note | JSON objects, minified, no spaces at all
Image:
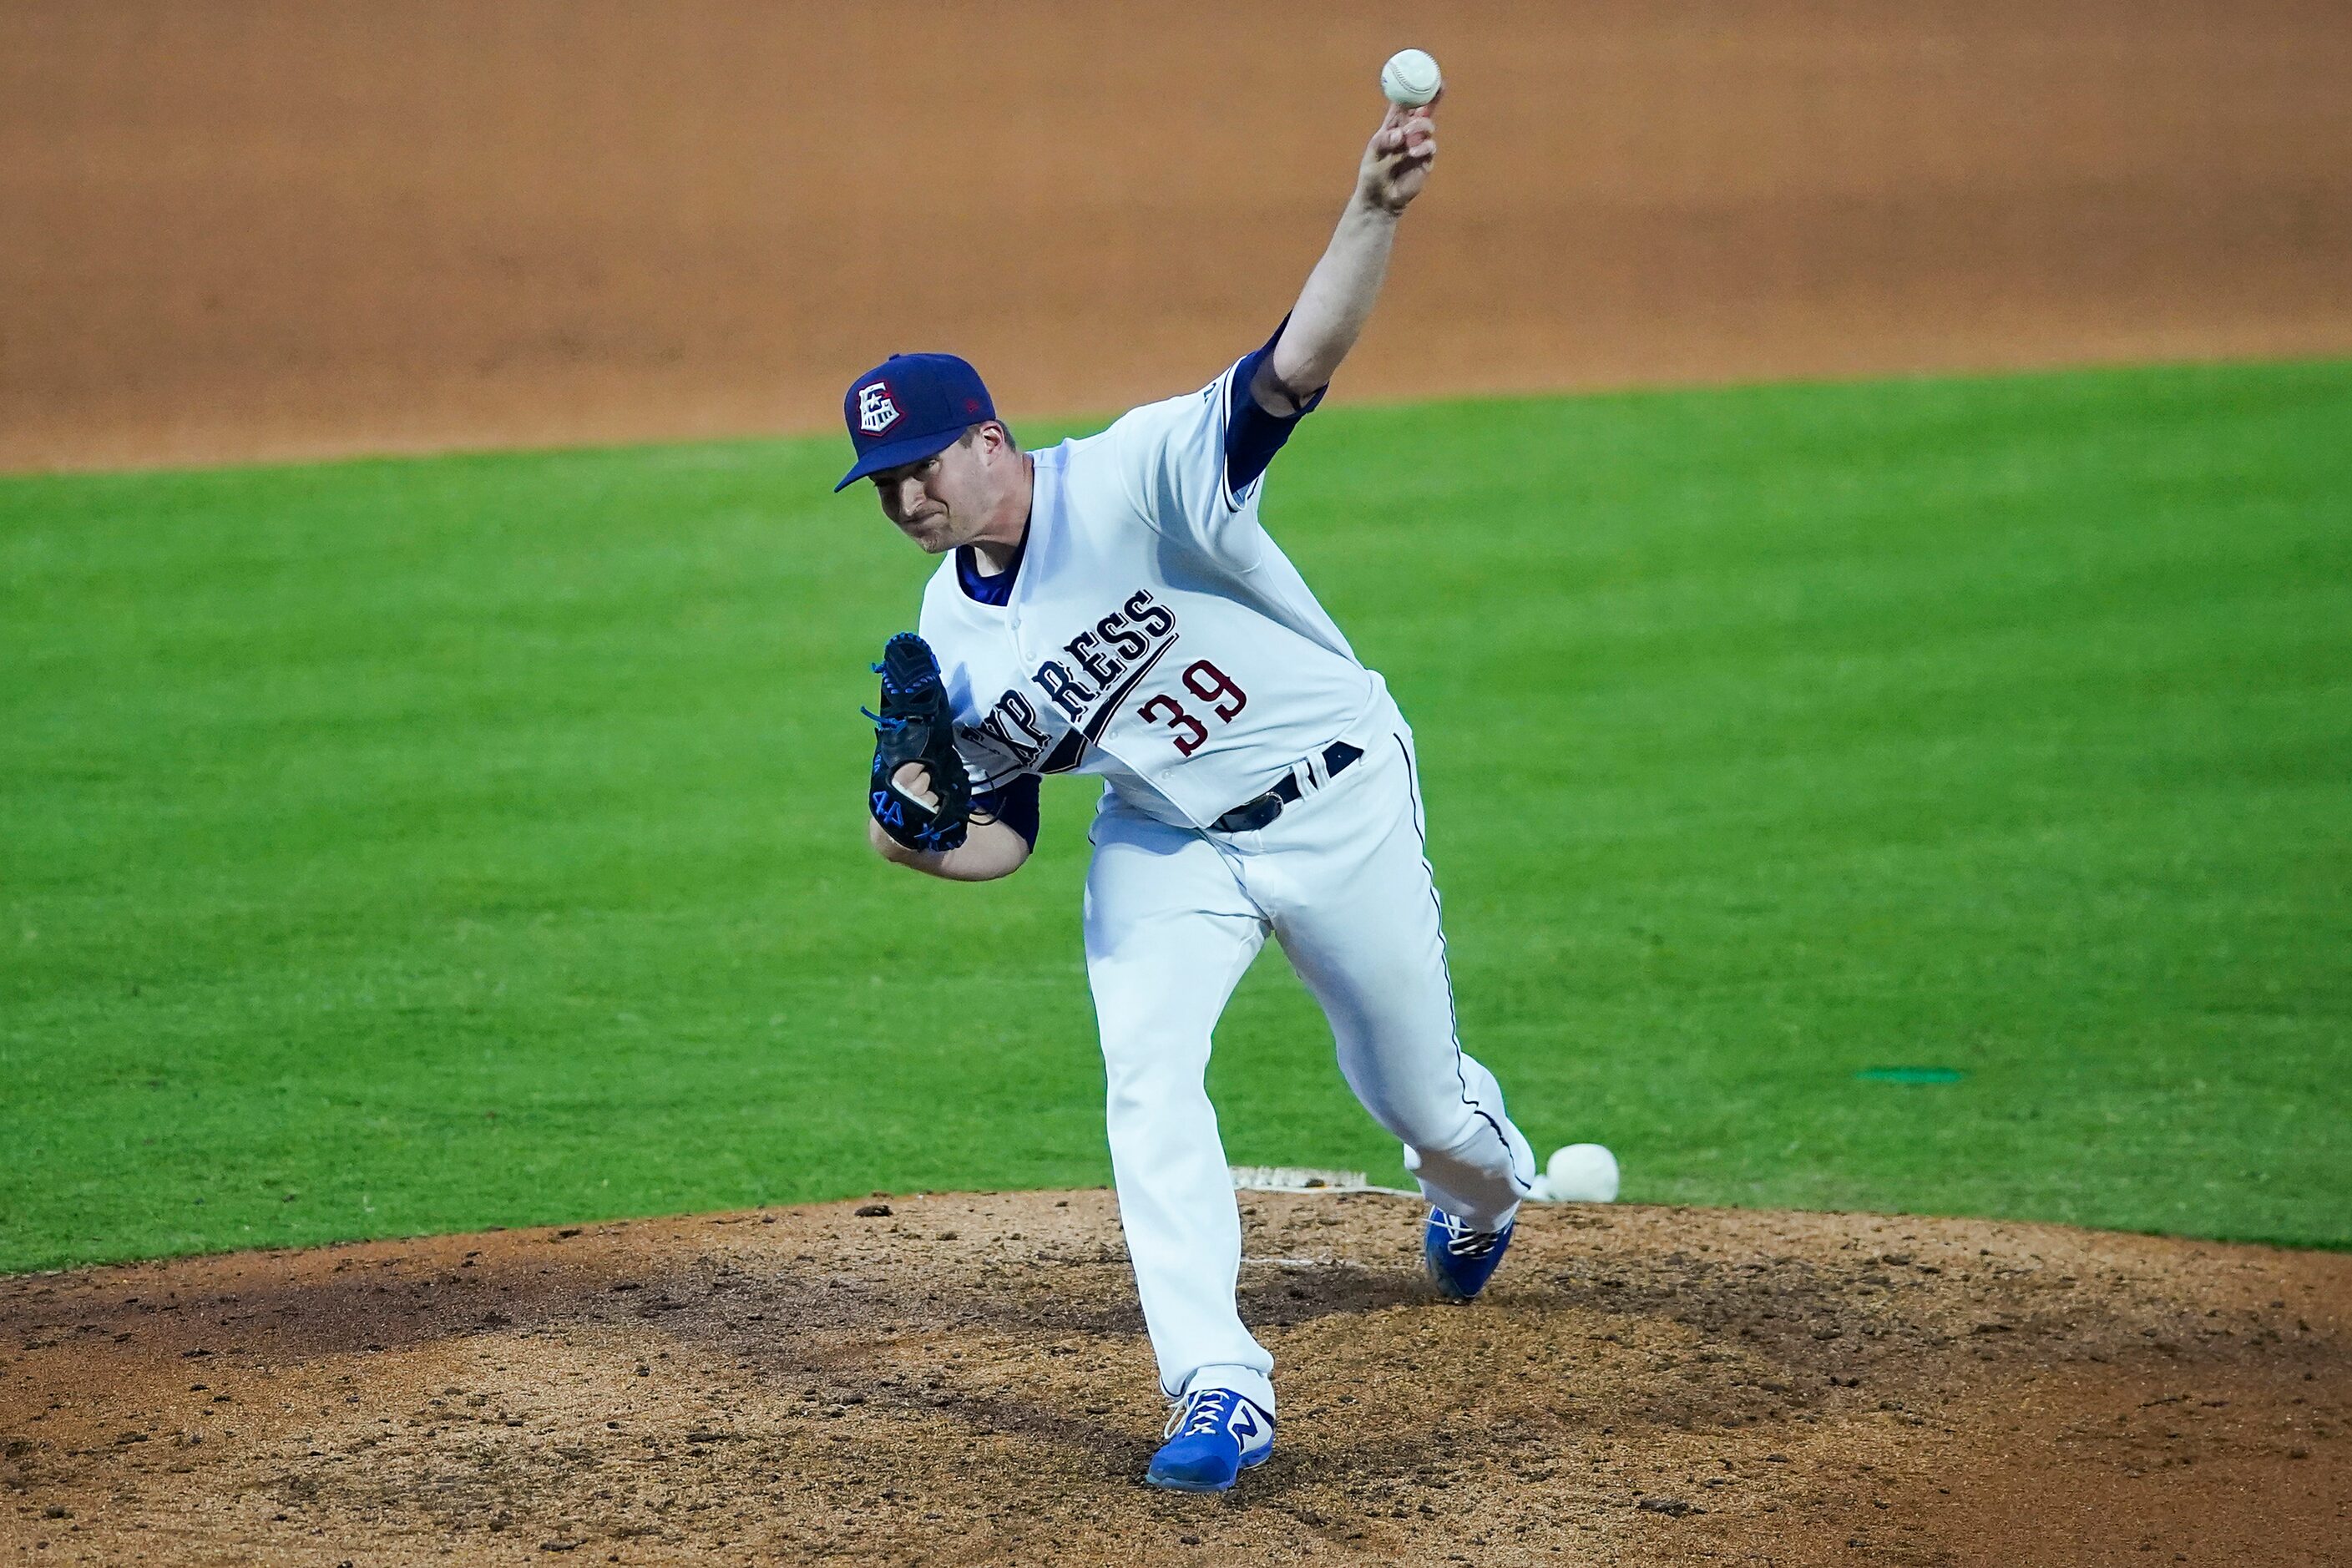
{"x":946,"y":499}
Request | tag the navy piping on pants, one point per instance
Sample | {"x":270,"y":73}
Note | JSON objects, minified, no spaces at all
{"x":1446,"y":967}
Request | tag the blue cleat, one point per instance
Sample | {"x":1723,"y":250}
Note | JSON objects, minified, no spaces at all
{"x":1460,"y":1259}
{"x":1214,"y":1435}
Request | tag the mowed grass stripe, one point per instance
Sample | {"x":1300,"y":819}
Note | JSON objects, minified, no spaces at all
{"x":391,"y":846}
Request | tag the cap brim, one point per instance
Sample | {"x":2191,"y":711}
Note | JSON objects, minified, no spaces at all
{"x":890,"y":454}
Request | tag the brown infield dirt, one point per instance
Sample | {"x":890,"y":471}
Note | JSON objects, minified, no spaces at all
{"x":963,"y":1378}
{"x":295,"y":228}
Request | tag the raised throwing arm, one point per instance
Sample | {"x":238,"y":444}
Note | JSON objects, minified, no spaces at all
{"x":1339,"y":293}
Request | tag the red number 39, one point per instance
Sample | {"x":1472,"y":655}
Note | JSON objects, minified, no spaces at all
{"x":1211,"y":686}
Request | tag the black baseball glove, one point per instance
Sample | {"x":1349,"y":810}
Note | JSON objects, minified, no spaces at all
{"x":916,"y":725}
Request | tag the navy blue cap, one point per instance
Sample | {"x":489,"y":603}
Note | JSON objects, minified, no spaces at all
{"x":909,"y":407}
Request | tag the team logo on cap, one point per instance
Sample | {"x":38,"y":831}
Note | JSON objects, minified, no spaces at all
{"x":875,"y":411}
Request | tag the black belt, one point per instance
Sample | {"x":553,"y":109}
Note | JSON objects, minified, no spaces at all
{"x":1252,"y":815}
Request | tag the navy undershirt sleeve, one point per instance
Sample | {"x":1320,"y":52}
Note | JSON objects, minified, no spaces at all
{"x":1015,"y":806}
{"x":1253,"y":436}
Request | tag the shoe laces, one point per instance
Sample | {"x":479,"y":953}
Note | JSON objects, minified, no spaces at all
{"x":1461,"y":1241}
{"x":1202,"y":1412}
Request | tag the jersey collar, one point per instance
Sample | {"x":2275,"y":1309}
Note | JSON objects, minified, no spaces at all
{"x":982,"y":588}
{"x":997,"y":591}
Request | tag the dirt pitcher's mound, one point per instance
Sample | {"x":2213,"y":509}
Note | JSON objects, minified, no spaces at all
{"x":964,"y":1379}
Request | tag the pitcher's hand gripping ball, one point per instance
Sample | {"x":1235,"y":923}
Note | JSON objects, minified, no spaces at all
{"x":916,"y":725}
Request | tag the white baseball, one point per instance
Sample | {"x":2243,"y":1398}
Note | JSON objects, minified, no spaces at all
{"x":1411,"y":78}
{"x":1581,"y":1174}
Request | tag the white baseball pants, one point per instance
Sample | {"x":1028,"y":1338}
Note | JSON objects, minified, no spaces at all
{"x":1173,"y":917}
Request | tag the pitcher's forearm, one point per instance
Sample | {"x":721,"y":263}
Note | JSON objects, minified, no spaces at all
{"x":1338,"y":298}
{"x":1345,"y":283}
{"x":989,"y":850}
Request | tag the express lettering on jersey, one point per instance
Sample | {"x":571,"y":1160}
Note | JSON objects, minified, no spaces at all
{"x":1136,"y":537}
{"x":1082,"y":689}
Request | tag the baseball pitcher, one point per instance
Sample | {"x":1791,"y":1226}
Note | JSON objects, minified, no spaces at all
{"x":1112,"y":605}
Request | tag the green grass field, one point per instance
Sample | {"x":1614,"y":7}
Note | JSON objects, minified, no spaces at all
{"x":394,"y":847}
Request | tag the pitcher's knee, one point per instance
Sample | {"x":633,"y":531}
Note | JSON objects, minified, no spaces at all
{"x":1432,"y":1129}
{"x":1470,"y":1142}
{"x":1153,"y":1090}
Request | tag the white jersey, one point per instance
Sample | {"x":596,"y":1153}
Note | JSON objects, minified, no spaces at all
{"x":1154,"y":634}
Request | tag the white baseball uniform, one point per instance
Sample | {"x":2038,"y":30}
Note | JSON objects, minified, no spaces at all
{"x":1152,"y":632}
